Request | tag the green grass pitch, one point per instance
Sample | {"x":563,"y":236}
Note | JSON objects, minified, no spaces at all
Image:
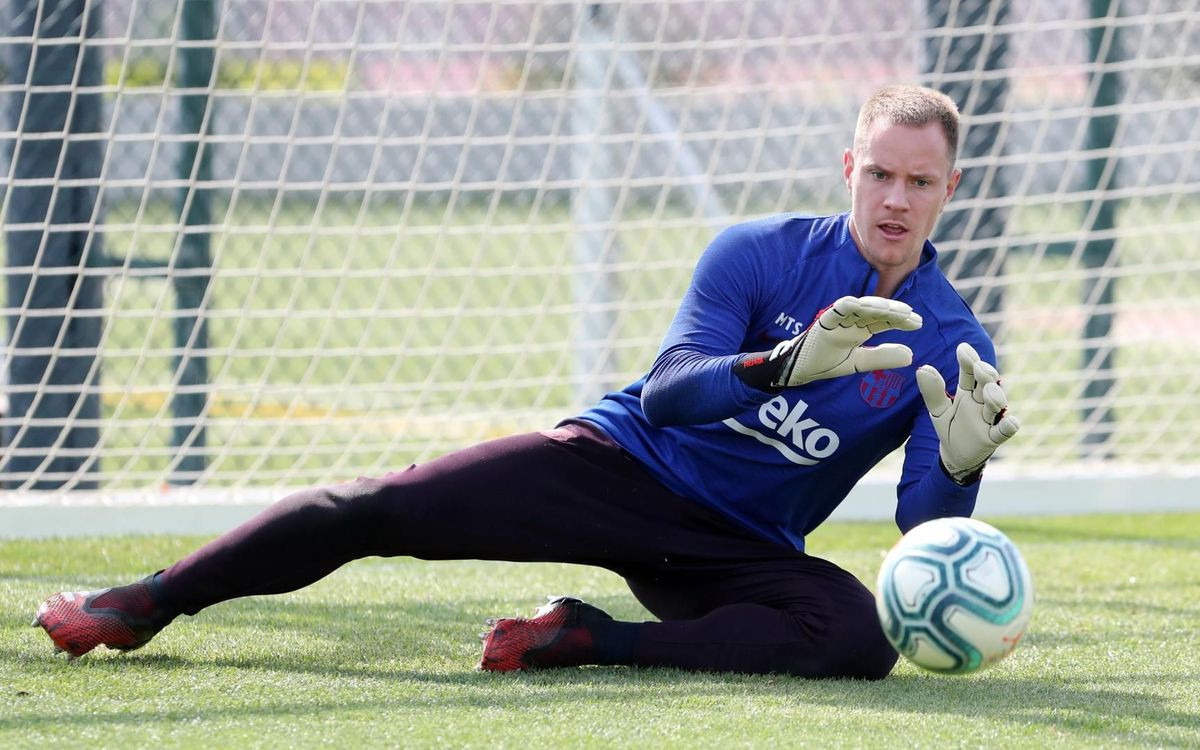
{"x":380,"y":654}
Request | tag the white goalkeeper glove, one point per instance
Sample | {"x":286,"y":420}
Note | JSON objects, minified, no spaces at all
{"x":972,"y":424}
{"x":832,"y":345}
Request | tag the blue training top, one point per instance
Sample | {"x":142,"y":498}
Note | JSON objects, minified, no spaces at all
{"x":779,"y":463}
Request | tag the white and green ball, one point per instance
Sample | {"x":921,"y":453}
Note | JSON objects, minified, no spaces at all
{"x":954,"y":595}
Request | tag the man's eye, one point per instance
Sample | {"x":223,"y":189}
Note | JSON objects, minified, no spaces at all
{"x":877,"y":174}
{"x":921,"y":183}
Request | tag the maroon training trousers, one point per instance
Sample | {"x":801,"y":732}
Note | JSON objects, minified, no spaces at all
{"x":728,"y":600}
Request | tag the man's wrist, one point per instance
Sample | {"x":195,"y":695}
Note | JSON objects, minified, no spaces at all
{"x":964,"y":479}
{"x":759,"y":371}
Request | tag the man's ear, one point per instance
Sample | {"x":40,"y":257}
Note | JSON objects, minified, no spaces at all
{"x":848,"y":166}
{"x":952,"y":185}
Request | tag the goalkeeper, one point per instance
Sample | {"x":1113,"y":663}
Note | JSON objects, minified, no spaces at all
{"x":805,"y":350}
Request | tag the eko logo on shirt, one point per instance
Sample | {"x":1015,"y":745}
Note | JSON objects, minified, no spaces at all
{"x":799,"y":440}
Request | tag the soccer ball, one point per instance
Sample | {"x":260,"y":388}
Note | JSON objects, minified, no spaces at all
{"x":954,"y":595}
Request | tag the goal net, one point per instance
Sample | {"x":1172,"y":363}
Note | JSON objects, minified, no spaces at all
{"x":271,"y":243}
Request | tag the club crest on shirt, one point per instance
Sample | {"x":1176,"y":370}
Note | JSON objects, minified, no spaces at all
{"x":880,"y":388}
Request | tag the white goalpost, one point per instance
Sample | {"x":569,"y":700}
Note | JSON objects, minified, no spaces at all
{"x":258,"y":245}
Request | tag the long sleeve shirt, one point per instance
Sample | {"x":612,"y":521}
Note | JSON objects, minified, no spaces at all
{"x":778,"y":463}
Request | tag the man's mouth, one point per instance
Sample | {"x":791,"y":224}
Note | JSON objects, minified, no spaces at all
{"x":891,"y":230}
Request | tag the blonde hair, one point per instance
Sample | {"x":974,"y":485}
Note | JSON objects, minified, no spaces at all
{"x":913,"y":106}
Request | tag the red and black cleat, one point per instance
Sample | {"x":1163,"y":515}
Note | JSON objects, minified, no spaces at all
{"x":558,"y":635}
{"x":122,"y":618}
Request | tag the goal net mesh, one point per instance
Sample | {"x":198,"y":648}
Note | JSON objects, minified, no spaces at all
{"x":272,"y":243}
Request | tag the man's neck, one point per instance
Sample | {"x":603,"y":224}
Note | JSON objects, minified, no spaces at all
{"x":890,"y":280}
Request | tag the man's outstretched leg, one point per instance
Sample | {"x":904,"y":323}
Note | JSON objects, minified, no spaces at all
{"x":568,"y":495}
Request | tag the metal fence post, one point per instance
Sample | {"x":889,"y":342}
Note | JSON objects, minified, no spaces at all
{"x":192,"y":268}
{"x":595,"y":286}
{"x":1104,"y":47}
{"x":55,"y":305}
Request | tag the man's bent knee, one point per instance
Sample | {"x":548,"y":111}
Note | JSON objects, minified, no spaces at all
{"x":861,"y":651}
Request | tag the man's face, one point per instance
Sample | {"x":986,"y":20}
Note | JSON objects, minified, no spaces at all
{"x":899,"y":180}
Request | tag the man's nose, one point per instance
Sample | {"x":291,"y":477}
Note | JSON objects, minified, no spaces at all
{"x":896,"y":197}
